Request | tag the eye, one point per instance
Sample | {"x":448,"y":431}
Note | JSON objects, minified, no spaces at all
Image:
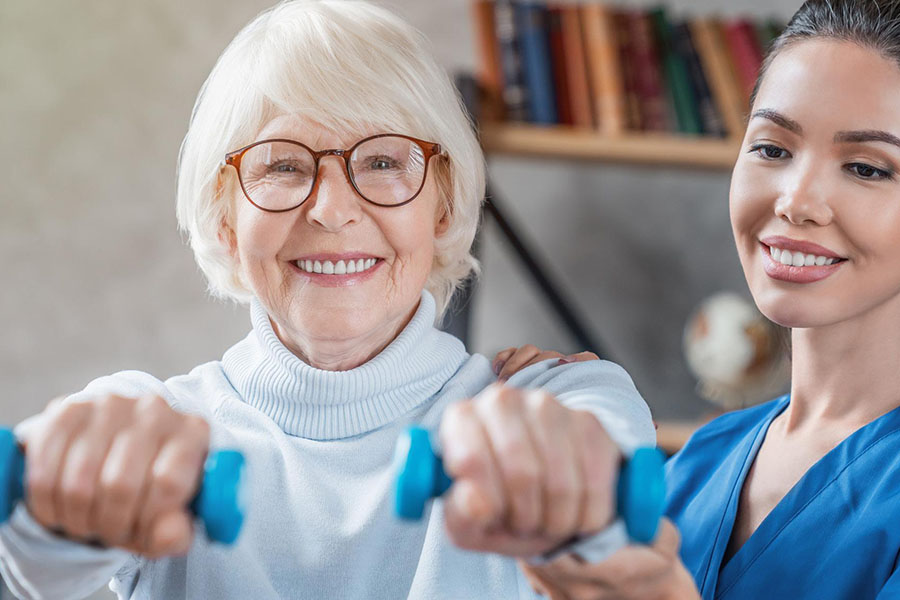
{"x":770,"y":151}
{"x":868,"y":172}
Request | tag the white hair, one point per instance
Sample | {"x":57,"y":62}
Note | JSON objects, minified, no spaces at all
{"x":349,"y":66}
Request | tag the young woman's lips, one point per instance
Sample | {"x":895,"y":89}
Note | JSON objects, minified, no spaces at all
{"x":337,"y":270}
{"x":776,"y":269}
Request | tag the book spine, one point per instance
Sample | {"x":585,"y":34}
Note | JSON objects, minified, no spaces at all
{"x":514,"y":99}
{"x":629,"y":75}
{"x":489,"y":73}
{"x":649,"y":84}
{"x":745,"y":53}
{"x":720,"y":74}
{"x":677,"y":78}
{"x":580,"y":94}
{"x":534,"y":48}
{"x":710,"y":119}
{"x":603,"y":64}
{"x":559,"y":66}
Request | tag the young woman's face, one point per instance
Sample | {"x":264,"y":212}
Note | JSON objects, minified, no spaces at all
{"x":815,"y":196}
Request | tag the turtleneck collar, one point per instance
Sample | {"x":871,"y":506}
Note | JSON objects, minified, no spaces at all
{"x":327,"y":405}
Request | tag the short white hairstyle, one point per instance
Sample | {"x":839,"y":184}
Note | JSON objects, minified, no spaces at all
{"x":349,"y":66}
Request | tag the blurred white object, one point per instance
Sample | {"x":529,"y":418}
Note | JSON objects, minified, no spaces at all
{"x":739,"y":357}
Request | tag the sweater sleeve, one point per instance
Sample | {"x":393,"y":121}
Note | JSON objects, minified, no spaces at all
{"x":38,"y":564}
{"x":601,"y":387}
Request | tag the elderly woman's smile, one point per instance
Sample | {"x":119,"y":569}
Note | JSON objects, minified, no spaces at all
{"x":339,"y":275}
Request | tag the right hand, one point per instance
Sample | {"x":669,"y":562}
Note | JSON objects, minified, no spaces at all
{"x":114,"y":470}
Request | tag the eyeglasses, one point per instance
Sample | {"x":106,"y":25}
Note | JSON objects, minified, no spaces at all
{"x":386,"y":169}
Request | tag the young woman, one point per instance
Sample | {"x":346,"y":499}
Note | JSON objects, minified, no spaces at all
{"x":798,"y":498}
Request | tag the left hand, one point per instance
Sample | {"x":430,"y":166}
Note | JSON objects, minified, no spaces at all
{"x":529,"y":474}
{"x":633,"y":573}
{"x":512,"y":360}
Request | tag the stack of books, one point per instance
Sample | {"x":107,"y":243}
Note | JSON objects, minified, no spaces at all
{"x":617,"y":70}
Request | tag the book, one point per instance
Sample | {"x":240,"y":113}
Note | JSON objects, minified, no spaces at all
{"x":581,"y":97}
{"x":489,"y":72}
{"x":604,"y":68}
{"x":625,"y":41}
{"x":513,"y":85}
{"x":676,"y":76}
{"x":740,"y":38}
{"x":710,"y":118}
{"x":649,"y":83}
{"x":558,"y":65}
{"x":722,"y":80}
{"x":534,"y":48}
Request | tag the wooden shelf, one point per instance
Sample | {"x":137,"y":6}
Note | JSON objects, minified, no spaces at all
{"x":672,"y":435}
{"x":646,"y":149}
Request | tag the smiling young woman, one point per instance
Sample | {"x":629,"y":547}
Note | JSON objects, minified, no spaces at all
{"x":797,"y":498}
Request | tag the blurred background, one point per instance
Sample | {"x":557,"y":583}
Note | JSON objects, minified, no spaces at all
{"x":96,"y":97}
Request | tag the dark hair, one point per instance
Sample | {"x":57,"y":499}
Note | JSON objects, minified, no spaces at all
{"x":873,"y":24}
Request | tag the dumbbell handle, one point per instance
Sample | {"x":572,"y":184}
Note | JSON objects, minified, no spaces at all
{"x":217,"y":504}
{"x":640,"y":488}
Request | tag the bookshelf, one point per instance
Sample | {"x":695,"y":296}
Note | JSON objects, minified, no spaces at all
{"x":635,"y":148}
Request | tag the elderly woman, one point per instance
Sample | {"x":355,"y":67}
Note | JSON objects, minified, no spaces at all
{"x":330,"y":179}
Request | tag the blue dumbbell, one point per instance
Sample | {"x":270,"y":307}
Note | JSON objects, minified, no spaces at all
{"x":640,"y":493}
{"x":218,"y":504}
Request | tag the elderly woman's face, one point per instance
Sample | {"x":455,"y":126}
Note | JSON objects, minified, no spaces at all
{"x":391,"y":250}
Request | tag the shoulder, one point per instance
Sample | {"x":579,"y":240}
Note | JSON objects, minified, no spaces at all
{"x":193,"y":392}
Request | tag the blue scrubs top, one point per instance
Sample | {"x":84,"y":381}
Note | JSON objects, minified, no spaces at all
{"x":836,"y":534}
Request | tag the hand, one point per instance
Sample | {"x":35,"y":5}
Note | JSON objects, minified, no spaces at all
{"x":529,"y":474}
{"x":635,"y":572}
{"x":513,"y":360}
{"x":116,"y":470}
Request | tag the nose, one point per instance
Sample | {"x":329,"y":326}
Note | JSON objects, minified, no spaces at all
{"x":333,"y":203}
{"x":804,"y":199}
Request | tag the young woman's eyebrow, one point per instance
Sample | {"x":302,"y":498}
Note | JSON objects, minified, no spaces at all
{"x":779,"y":119}
{"x":856,"y":137}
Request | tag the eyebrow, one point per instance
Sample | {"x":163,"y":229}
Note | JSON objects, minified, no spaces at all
{"x":779,"y":119}
{"x":856,"y":137}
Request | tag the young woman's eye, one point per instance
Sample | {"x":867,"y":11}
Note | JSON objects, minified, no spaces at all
{"x":868,"y":172}
{"x":770,"y":151}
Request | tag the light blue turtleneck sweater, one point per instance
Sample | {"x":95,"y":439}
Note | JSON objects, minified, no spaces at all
{"x":318,"y":446}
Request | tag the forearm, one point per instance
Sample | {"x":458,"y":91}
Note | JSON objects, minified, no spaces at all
{"x":37,"y":564}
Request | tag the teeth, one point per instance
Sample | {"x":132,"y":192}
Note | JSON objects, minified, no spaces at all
{"x":799,"y":259}
{"x":336,"y":268}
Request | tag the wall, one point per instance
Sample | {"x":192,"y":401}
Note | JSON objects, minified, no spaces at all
{"x":95,"y":99}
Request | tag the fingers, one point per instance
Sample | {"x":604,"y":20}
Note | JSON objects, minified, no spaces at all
{"x":599,"y":459}
{"x":519,"y":463}
{"x":563,"y":481}
{"x":45,"y":457}
{"x":668,"y":539}
{"x":516,"y":359}
{"x":578,"y":357}
{"x":118,"y":470}
{"x":477,"y":493}
{"x":173,"y":478}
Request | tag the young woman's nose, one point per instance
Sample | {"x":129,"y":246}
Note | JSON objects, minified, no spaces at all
{"x":804,"y":197}
{"x":333,"y":202}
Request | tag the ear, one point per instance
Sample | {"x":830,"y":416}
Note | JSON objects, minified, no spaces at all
{"x":228,"y":237}
{"x":442,"y":220}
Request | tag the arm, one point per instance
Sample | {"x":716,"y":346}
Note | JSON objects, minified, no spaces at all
{"x":49,"y":547}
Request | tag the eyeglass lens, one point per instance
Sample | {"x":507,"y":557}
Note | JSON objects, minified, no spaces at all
{"x":386,"y":170}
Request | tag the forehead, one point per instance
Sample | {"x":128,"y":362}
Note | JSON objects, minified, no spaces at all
{"x":833,"y":83}
{"x":315,"y":134}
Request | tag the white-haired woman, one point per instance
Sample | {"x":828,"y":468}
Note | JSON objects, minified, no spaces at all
{"x":330,"y":179}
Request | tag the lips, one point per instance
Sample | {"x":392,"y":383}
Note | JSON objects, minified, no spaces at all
{"x":795,"y":266}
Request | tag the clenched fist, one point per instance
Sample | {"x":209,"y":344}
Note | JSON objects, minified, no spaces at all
{"x":114,"y":470}
{"x":529,"y":474}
